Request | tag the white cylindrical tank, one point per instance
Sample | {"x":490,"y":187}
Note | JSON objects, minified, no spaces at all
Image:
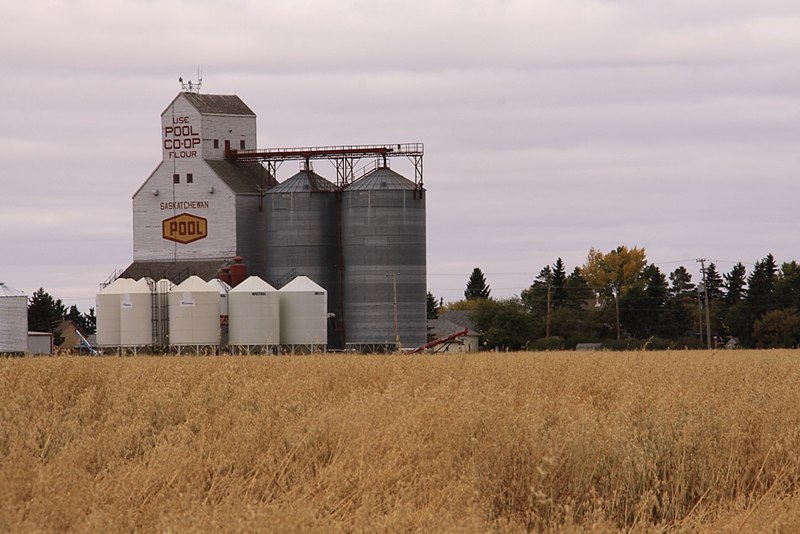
{"x":13,"y":320}
{"x":194,"y":313}
{"x":136,"y":315}
{"x":254,"y":314}
{"x":304,"y":313}
{"x":108,"y":303}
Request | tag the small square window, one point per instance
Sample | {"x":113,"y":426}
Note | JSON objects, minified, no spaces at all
{"x":189,"y":178}
{"x":216,"y":143}
{"x":176,"y":178}
{"x":241,"y":144}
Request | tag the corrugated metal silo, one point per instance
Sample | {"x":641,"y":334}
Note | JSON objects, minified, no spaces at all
{"x":136,"y":315}
{"x":302,"y":236}
{"x":303,"y":315}
{"x":13,"y":320}
{"x":194,"y":314}
{"x":254,"y":315}
{"x":383,"y":242}
{"x":108,"y":303}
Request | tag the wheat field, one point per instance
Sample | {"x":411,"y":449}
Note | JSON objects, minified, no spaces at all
{"x":558,"y":441}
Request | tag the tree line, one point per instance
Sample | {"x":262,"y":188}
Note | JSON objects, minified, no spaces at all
{"x":622,"y":301}
{"x":46,"y":313}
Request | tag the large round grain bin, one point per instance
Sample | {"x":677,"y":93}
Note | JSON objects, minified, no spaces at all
{"x":194,"y":315}
{"x":253,"y":316}
{"x":302,"y":236}
{"x":13,"y":320}
{"x":108,"y":304}
{"x":303,"y":316}
{"x":383,"y":242}
{"x":136,"y":315}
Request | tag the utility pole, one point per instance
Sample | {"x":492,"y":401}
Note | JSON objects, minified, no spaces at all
{"x":394,"y":299}
{"x":616,"y":303}
{"x":702,"y":262}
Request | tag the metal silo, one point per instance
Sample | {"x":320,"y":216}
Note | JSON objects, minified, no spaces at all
{"x":383,"y":243}
{"x":254,"y":316}
{"x":136,"y":315}
{"x":302,"y":237}
{"x":108,"y":310}
{"x":194,"y":315}
{"x":13,"y":320}
{"x":303,"y":315}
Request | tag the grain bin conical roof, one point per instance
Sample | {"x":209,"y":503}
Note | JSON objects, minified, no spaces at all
{"x":302,"y":283}
{"x":384,"y":179}
{"x":6,"y":291}
{"x":253,"y":283}
{"x":303,"y":182}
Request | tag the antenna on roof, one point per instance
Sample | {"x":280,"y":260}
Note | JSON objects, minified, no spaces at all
{"x":191,"y":87}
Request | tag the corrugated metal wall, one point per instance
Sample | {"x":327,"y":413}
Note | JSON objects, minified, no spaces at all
{"x":383,"y":241}
{"x":301,"y":237}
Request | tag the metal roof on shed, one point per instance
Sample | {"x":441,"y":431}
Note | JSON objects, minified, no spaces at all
{"x":304,"y":182}
{"x":382,"y":179}
{"x":218,"y":104}
{"x":244,"y":177}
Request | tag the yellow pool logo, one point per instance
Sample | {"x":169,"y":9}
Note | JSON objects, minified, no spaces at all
{"x":184,"y":228}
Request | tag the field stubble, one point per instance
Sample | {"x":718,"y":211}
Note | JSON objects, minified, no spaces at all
{"x":680,"y":441}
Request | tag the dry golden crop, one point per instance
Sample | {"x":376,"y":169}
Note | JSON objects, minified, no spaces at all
{"x":647,"y":441}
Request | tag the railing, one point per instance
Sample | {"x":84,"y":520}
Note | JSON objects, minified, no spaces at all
{"x":326,"y":152}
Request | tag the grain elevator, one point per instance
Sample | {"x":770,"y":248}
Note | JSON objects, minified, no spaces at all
{"x":357,"y":235}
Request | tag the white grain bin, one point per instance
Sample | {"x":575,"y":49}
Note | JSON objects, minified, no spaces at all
{"x":304,"y":313}
{"x":136,"y":315}
{"x":223,"y":289}
{"x":13,"y":320}
{"x":108,"y":304}
{"x":254,"y":314}
{"x":194,"y":313}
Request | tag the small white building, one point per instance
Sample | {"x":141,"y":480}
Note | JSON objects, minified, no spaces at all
{"x":451,"y":322}
{"x":40,"y":343}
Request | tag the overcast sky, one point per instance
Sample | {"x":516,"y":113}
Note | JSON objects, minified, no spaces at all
{"x":550,"y":126}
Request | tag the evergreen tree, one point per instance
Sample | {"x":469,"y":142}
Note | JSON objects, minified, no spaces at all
{"x":714,"y":282}
{"x":477,"y":288}
{"x":643,"y":305}
{"x":90,"y":321}
{"x":535,"y":297}
{"x":558,"y":295}
{"x":45,"y":314}
{"x":86,"y":322}
{"x":433,"y":305}
{"x":577,"y":291}
{"x":787,"y":288}
{"x":761,"y":285}
{"x":735,"y":284}
{"x":678,"y":318}
{"x":682,"y":285}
